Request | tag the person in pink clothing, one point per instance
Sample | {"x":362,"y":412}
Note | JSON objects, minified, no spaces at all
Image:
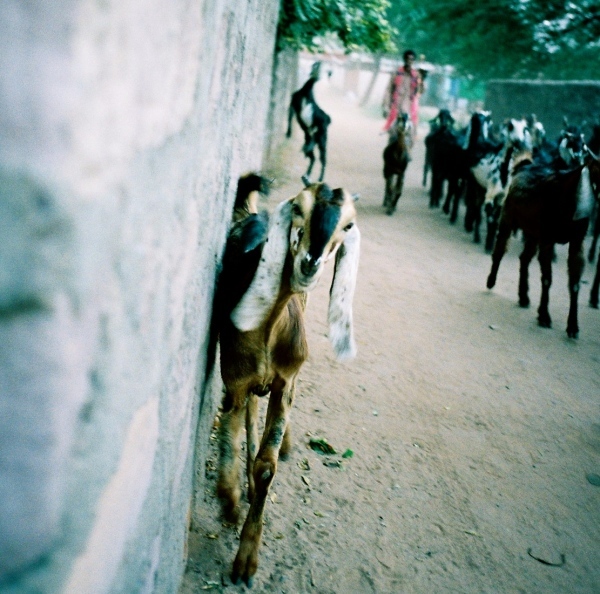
{"x":403,"y":92}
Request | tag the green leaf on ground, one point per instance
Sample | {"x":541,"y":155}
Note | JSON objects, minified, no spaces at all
{"x":322,"y":446}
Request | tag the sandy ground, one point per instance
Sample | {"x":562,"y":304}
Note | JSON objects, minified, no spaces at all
{"x":473,"y":430}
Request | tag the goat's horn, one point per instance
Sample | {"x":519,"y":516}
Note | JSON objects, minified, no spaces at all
{"x":306,"y":181}
{"x":355,"y":197}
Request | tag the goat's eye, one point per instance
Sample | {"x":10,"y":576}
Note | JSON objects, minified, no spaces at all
{"x":296,"y":210}
{"x":348,"y":226}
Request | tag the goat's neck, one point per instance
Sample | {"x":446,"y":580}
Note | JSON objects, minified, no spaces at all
{"x":401,"y":141}
{"x":280,"y":306}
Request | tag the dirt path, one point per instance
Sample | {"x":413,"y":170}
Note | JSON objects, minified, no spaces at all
{"x":473,"y":430}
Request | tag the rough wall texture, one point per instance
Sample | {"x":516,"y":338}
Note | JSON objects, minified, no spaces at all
{"x":549,"y":100}
{"x":124,"y":126}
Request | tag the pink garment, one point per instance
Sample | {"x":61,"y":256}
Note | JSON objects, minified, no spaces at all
{"x":414,"y":98}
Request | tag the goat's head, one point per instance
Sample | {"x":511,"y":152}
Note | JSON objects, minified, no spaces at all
{"x":445,"y":118}
{"x":401,"y":125}
{"x":516,"y":133}
{"x":479,"y":127}
{"x":307,"y":231}
{"x":321,"y":219}
{"x":571,"y":146}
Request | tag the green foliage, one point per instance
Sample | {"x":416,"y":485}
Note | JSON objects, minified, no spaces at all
{"x":357,"y":24}
{"x":557,"y":39}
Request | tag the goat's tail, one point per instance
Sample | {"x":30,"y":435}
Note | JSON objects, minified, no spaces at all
{"x":246,"y":198}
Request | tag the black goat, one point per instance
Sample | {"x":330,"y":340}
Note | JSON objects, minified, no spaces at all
{"x":448,"y":163}
{"x":396,"y":156}
{"x":550,"y":206}
{"x":478,"y":145}
{"x":594,"y":145}
{"x":434,"y":125}
{"x":493,"y":169}
{"x":313,"y":121}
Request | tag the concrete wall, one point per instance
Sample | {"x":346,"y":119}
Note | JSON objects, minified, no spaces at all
{"x":124,"y":127}
{"x":549,"y":100}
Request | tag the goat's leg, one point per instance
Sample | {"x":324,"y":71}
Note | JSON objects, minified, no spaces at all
{"x":595,"y":234}
{"x":450,"y":191}
{"x":230,"y":439}
{"x":437,"y":183}
{"x":529,"y":249}
{"x":291,"y":113}
{"x":251,"y":440}
{"x":390,"y":203}
{"x":470,"y":204}
{"x":576,"y":264}
{"x":592,"y":252}
{"x":398,"y":189}
{"x":387,"y":196}
{"x":322,"y":144}
{"x":458,"y":192}
{"x":311,"y":155}
{"x":492,"y":215}
{"x":545,"y":258}
{"x":265,"y":467}
{"x":595,"y":286}
{"x":286,"y":444}
{"x":476,"y":223}
{"x":499,"y":251}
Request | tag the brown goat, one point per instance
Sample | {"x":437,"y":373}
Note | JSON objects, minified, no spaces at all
{"x":550,"y":206}
{"x":263,"y":340}
{"x":396,"y":156}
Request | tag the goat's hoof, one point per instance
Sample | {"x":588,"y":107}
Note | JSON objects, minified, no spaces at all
{"x":524,"y":302}
{"x":236,"y":580}
{"x":244,"y":568}
{"x":490,"y":282}
{"x":230,"y":511}
{"x":389,"y":211}
{"x":544,"y":322}
{"x":573,"y":333}
{"x":594,"y":304}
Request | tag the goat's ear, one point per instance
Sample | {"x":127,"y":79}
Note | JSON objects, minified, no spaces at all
{"x":341,"y":295}
{"x":258,"y":300}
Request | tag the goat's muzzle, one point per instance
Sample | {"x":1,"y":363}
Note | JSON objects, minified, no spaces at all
{"x":308,"y":265}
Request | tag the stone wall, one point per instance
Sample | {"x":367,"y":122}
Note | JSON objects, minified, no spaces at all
{"x":549,"y":100}
{"x":125,"y":125}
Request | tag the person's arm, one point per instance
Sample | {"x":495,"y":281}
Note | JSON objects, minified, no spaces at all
{"x":387,"y":97}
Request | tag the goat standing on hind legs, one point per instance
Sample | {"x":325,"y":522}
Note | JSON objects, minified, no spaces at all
{"x":267,"y":273}
{"x":313,"y":121}
{"x":396,"y":156}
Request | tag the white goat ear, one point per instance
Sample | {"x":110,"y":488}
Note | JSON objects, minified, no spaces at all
{"x":258,"y":300}
{"x":341,"y":333}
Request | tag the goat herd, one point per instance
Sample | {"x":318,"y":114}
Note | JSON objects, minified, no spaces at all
{"x":522,"y":181}
{"x":517,"y":177}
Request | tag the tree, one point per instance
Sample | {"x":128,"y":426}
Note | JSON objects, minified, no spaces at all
{"x":357,"y":24}
{"x":557,"y":39}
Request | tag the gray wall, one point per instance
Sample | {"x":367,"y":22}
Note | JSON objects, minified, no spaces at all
{"x":549,"y":100}
{"x":124,"y":127}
